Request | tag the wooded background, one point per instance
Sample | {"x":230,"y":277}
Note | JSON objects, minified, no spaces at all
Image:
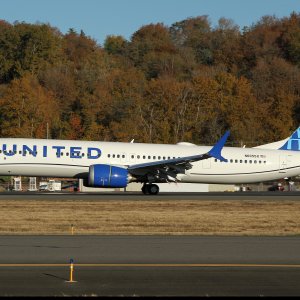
{"x":186,"y":82}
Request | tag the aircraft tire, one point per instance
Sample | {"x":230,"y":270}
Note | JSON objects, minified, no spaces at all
{"x":153,"y":189}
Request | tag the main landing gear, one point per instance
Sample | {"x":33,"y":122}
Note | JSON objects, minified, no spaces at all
{"x":151,"y":189}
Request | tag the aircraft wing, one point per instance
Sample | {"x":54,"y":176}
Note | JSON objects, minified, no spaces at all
{"x":179,"y":165}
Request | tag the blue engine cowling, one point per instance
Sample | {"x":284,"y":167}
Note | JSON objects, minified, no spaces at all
{"x":107,"y":176}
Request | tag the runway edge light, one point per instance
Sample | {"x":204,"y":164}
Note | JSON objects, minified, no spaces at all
{"x":71,"y":271}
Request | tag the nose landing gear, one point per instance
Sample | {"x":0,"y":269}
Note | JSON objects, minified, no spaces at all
{"x":151,"y":189}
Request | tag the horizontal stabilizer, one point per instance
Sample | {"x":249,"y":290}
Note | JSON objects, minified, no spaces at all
{"x":217,"y":148}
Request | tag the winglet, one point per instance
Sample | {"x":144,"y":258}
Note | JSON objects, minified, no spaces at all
{"x":217,"y":148}
{"x":293,"y":142}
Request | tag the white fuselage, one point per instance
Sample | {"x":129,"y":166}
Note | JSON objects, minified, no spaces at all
{"x":66,"y":158}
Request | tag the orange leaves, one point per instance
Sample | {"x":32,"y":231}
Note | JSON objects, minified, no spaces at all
{"x":187,"y":82}
{"x":75,"y":130}
{"x":26,"y":108}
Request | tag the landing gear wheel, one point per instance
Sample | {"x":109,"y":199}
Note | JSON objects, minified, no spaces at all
{"x":151,"y":189}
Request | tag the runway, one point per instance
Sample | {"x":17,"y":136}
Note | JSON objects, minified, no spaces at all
{"x":149,"y":266}
{"x":138,"y":196}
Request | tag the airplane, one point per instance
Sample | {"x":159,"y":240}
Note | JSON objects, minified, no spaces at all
{"x":116,"y":164}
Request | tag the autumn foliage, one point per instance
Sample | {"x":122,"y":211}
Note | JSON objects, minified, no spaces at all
{"x":187,"y":82}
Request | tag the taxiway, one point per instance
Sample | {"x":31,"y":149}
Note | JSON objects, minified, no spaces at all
{"x":150,"y":266}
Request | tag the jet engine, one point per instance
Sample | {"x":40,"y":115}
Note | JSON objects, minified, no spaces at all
{"x":107,"y":176}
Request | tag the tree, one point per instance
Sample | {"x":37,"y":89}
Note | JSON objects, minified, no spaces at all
{"x":152,"y":49}
{"x":163,"y":111}
{"x":115,"y":44}
{"x":290,"y":38}
{"x":26,"y":108}
{"x":277,"y":84}
{"x":260,"y":41}
{"x":226,"y":102}
{"x":113,"y":106}
{"x":225,"y":44}
{"x":194,"y":33}
{"x":187,"y":82}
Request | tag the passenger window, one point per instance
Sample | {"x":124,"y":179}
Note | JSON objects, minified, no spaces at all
{"x":245,"y":161}
{"x":241,"y":161}
{"x":231,"y":160}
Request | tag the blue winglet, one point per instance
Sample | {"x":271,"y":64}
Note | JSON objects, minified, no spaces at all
{"x":217,"y":148}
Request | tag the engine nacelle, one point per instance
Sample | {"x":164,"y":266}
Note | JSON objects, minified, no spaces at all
{"x":108,"y":176}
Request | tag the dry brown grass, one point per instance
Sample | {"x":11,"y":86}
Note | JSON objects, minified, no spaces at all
{"x":119,"y":217}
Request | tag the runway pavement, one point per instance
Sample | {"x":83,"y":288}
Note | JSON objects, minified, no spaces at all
{"x":138,"y":196}
{"x":149,"y":266}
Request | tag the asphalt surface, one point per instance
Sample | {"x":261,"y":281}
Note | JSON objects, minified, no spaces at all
{"x":138,"y":196}
{"x":149,"y":266}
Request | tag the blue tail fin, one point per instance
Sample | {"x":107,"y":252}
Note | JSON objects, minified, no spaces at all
{"x":293,"y":142}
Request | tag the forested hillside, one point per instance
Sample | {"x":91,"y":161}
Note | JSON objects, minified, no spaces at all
{"x":187,"y":82}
